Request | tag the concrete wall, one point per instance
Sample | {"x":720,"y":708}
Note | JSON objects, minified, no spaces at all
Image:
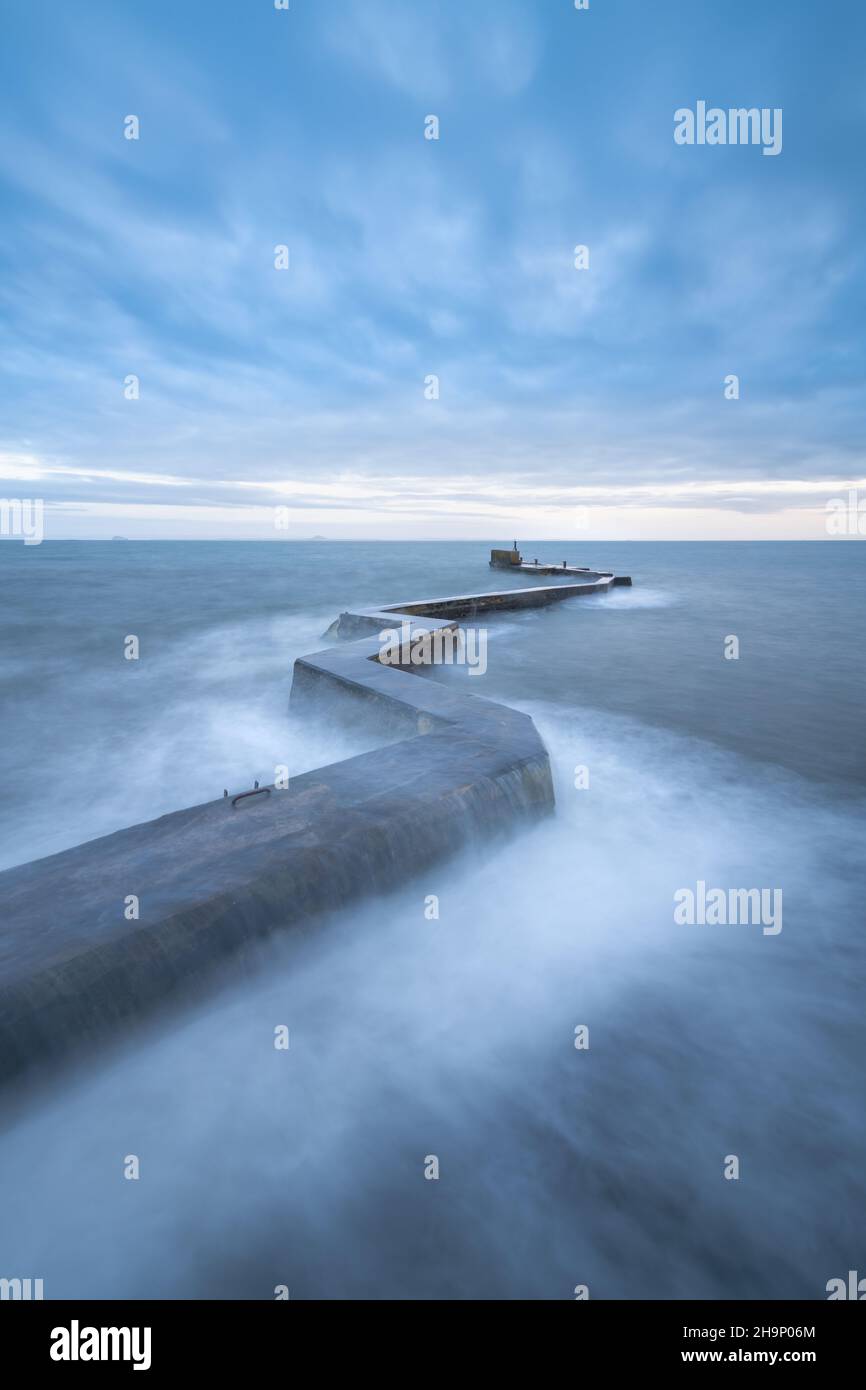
{"x":211,"y":880}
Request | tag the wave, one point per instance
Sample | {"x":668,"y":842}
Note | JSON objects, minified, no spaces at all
{"x":454,"y":1037}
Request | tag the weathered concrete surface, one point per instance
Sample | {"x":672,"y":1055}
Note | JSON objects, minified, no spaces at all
{"x":504,"y":558}
{"x":469,"y":605}
{"x":212,"y":879}
{"x":512,"y":560}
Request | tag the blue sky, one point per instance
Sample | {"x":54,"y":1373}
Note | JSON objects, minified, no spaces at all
{"x":571,"y":402}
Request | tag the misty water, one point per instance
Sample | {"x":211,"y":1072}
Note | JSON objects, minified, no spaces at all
{"x":455,"y":1037}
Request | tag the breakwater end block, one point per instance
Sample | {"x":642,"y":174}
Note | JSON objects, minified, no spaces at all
{"x":513,"y":560}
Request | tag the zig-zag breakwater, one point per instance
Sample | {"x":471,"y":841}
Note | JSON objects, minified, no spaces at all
{"x":213,"y":879}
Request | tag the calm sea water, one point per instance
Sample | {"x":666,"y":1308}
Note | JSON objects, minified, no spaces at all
{"x":455,"y":1037}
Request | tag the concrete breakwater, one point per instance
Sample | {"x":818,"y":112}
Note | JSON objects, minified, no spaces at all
{"x":514,"y":561}
{"x":208,"y":881}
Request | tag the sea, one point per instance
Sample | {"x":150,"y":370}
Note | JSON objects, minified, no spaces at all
{"x":619,"y":1104}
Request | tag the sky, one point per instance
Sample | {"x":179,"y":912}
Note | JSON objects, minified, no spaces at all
{"x":569,"y":402}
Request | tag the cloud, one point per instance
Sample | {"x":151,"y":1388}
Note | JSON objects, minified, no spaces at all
{"x":428,"y":52}
{"x":411,"y":258}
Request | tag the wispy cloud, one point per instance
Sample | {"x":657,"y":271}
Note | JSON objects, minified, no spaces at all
{"x":413,"y":258}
